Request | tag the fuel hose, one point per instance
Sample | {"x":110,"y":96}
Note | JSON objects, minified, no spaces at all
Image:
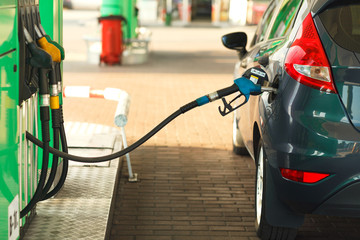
{"x":56,"y":122}
{"x":118,"y":154}
{"x":243,"y":85}
{"x":45,"y":146}
{"x":65,"y":166}
{"x":248,"y":87}
{"x":54,"y":163}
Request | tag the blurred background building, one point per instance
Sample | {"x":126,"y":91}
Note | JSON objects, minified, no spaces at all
{"x":217,"y":12}
{"x":184,"y":12}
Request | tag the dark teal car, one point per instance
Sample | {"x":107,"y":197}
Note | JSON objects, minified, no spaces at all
{"x":305,"y":138}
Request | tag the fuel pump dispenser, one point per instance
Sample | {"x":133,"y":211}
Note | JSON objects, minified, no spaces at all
{"x":30,"y":81}
{"x":25,"y":72}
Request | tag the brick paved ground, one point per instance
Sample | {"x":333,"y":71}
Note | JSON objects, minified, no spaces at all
{"x":191,"y":185}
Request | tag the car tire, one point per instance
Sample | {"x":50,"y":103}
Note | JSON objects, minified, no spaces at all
{"x":264,"y":230}
{"x":238,"y":143}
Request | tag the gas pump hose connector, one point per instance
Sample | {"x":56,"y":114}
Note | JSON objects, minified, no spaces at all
{"x":253,"y":89}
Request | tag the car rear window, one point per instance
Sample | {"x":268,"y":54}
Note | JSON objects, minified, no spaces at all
{"x":342,"y":22}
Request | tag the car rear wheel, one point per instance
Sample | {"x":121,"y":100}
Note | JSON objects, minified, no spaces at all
{"x":264,"y":230}
{"x":238,"y":143}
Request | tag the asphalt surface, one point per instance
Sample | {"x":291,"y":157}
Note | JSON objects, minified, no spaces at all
{"x":191,"y":184}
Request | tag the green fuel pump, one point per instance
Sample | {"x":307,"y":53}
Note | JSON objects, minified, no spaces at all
{"x":22,"y":68}
{"x":9,"y":128}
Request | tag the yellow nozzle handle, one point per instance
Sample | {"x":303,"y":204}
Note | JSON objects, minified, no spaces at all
{"x":57,"y":45}
{"x":50,"y":49}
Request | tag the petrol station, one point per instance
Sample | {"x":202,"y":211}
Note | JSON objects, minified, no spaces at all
{"x":34,"y":146}
{"x":185,"y":191}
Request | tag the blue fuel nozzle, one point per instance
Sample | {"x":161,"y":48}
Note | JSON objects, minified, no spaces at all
{"x":247,"y":87}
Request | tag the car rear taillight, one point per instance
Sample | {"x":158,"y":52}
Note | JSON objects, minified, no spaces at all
{"x":301,"y":176}
{"x":306,"y":60}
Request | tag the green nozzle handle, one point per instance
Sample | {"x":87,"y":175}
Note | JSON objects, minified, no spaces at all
{"x":39,"y":58}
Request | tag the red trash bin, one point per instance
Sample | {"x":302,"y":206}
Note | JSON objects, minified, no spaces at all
{"x":112,"y":39}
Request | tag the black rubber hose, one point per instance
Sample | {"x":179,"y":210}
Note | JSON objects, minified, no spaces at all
{"x":55,"y":113}
{"x":64,"y":172}
{"x":52,"y":76}
{"x":45,"y":118}
{"x":118,"y":154}
{"x":55,"y":162}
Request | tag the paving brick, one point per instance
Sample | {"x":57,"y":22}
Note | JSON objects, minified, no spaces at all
{"x":151,"y":237}
{"x":154,"y":227}
{"x":117,"y":237}
{"x":227,"y":228}
{"x":199,"y":238}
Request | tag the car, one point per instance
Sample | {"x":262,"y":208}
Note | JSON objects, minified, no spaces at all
{"x":304,"y":137}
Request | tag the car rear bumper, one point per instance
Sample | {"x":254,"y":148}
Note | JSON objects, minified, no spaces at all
{"x":309,"y":131}
{"x":346,"y":202}
{"x":338,"y":194}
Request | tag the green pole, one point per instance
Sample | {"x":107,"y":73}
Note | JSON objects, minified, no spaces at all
{"x":111,"y":8}
{"x":168,"y":19}
{"x":133,"y":16}
{"x":130,"y":13}
{"x":51,"y":16}
{"x":125,"y":8}
{"x":168,"y":12}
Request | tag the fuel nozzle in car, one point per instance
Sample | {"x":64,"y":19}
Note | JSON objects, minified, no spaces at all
{"x":251,"y":83}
